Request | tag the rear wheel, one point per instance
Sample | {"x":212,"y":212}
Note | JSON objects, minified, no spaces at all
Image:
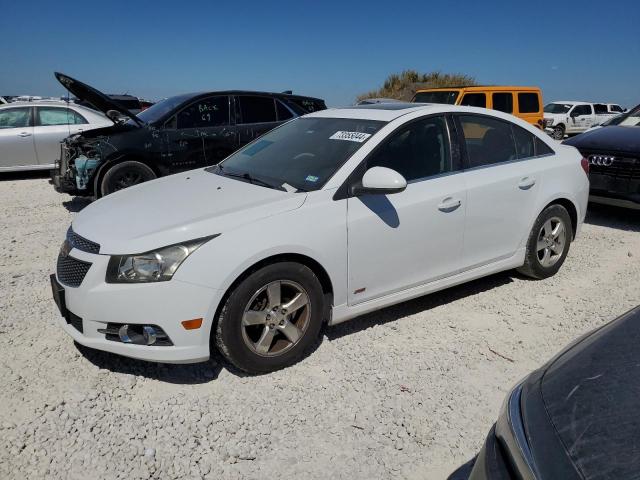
{"x":124,"y":175}
{"x":548,"y":243}
{"x":271,"y":318}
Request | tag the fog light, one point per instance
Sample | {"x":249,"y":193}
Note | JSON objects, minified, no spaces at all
{"x":136,"y":334}
{"x":149,"y":334}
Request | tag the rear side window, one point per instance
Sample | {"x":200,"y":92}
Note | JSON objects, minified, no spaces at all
{"x":474,"y":100}
{"x":257,"y":109}
{"x":528,"y":102}
{"x":524,"y":142}
{"x":418,"y":150}
{"x":207,"y":112}
{"x":48,"y":116}
{"x":600,"y":108}
{"x":503,"y":102}
{"x":487,"y":140}
{"x":15,"y":117}
{"x":283,"y":112}
{"x":542,"y":148}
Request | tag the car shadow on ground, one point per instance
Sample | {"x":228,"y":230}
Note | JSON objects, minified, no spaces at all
{"x":420,"y":304}
{"x":27,"y":175}
{"x":76,"y":204}
{"x":613,"y":217}
{"x":182,"y":374}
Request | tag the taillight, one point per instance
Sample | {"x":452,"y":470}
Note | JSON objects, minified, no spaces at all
{"x":585,"y":165}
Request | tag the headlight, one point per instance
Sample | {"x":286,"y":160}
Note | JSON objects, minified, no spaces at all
{"x":548,"y":121}
{"x":154,"y":266}
{"x":510,"y":430}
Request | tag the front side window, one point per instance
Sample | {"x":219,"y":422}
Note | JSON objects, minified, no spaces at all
{"x":528,"y":103}
{"x":15,"y":117}
{"x":257,"y":109}
{"x":300,"y":155}
{"x":556,"y":108}
{"x":616,"y":108}
{"x":49,"y":116}
{"x":441,"y":96}
{"x":580,"y":110}
{"x":207,"y":112}
{"x":487,"y":140}
{"x":474,"y":100}
{"x":503,"y":102}
{"x":418,"y":150}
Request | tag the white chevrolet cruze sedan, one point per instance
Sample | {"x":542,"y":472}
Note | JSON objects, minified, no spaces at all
{"x":327,"y":217}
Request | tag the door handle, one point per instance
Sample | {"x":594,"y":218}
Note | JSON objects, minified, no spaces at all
{"x":449,"y":204}
{"x":24,"y":134}
{"x":526,"y":183}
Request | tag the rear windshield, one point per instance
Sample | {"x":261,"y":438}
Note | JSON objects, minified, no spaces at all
{"x":556,"y":108}
{"x":441,"y":96}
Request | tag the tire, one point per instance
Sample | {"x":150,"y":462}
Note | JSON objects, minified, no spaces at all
{"x":558,"y":132}
{"x":271,"y":337}
{"x":546,"y":250}
{"x":123,"y":175}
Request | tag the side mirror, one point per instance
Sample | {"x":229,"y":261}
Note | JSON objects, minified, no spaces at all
{"x":114,"y":115}
{"x":379,"y":181}
{"x":574,"y":114}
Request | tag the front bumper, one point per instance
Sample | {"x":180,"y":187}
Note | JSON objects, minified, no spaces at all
{"x":166,"y":304}
{"x":491,"y":463}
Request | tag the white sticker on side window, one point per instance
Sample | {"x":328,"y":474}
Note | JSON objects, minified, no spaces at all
{"x":350,"y":136}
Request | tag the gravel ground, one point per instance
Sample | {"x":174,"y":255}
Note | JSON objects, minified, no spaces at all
{"x":408,"y":392}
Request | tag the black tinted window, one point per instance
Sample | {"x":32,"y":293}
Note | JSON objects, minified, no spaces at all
{"x":542,"y":148}
{"x":528,"y":103}
{"x":487,"y":140}
{"x":600,"y":108}
{"x":257,"y":109}
{"x":581,"y":110}
{"x":416,"y":151}
{"x":15,"y":117}
{"x":283,"y":112}
{"x":503,"y":102}
{"x":524,"y":142}
{"x":474,"y":100}
{"x":208,"y":112}
{"x":308,"y":105}
{"x":616,"y":108}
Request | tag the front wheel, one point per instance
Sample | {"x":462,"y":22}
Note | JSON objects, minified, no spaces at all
{"x":548,"y":243}
{"x":558,"y":132}
{"x":271,"y":318}
{"x":125,"y":174}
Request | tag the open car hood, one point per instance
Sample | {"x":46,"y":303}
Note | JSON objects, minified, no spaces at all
{"x":95,"y":97}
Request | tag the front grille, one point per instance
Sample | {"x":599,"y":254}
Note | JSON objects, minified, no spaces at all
{"x":620,"y":167}
{"x":75,"y":321}
{"x":71,"y":271}
{"x":82,"y":243}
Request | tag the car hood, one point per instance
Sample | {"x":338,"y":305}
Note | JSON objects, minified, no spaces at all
{"x":95,"y":97}
{"x":590,"y":392}
{"x":177,"y":208}
{"x":611,"y":138}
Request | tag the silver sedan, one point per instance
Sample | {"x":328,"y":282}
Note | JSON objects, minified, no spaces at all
{"x":31,"y":132}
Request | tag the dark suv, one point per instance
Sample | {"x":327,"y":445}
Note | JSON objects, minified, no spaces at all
{"x":180,"y":133}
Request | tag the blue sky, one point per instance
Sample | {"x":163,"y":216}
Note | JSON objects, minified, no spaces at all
{"x":574,"y":50}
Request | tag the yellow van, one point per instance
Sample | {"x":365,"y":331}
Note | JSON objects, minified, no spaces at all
{"x":523,"y":102}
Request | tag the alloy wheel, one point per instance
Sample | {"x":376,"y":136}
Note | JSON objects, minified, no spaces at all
{"x":551,"y":242}
{"x":276,"y":318}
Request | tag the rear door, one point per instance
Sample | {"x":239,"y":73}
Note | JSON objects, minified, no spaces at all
{"x":16,"y":137}
{"x":52,"y":125}
{"x":200,"y":134}
{"x":255,"y":115}
{"x":502,"y":178}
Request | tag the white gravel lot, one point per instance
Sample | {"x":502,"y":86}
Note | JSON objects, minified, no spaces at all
{"x":408,"y":392}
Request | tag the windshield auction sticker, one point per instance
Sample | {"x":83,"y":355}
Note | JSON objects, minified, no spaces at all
{"x":350,"y":136}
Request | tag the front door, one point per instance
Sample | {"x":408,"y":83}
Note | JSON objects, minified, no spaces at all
{"x":501,"y":187}
{"x":200,"y":134}
{"x":16,"y":137}
{"x":407,"y":239}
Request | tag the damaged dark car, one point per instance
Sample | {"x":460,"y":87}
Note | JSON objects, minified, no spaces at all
{"x":180,"y":133}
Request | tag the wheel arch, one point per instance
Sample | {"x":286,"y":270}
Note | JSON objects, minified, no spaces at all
{"x":111,"y":161}
{"x":312,"y":264}
{"x":570,"y":207}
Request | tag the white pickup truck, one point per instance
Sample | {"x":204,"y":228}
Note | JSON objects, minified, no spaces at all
{"x":568,"y":117}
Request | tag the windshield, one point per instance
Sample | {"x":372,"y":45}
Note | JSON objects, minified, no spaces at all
{"x":162,"y":108}
{"x":556,"y":108}
{"x":441,"y":96}
{"x":629,"y":119}
{"x":301,"y":155}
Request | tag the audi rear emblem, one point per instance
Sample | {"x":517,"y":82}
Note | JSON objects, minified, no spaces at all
{"x":601,"y":160}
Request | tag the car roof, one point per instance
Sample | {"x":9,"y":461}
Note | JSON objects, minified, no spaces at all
{"x":482,"y":88}
{"x":571,"y":102}
{"x":246,"y":92}
{"x":43,"y":103}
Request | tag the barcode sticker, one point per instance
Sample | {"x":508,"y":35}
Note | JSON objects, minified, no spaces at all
{"x":350,"y":136}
